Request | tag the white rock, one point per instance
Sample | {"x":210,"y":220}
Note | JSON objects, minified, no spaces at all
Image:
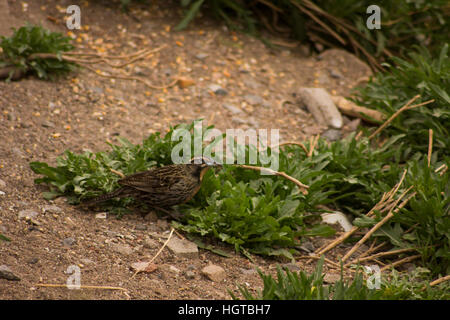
{"x":183,"y":248}
{"x":101,"y":215}
{"x":320,"y":104}
{"x":337,"y":217}
{"x":214,"y":273}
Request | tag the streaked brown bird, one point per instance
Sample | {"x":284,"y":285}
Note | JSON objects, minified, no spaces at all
{"x":160,"y":187}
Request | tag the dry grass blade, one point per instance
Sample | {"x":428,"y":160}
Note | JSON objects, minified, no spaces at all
{"x":120,"y":174}
{"x":380,"y":254}
{"x":151,"y":86}
{"x":440,"y":280}
{"x":381,"y":223}
{"x":159,"y":251}
{"x":351,"y":109}
{"x":407,"y":106}
{"x":318,"y":21}
{"x":312,"y":144}
{"x":295,"y":144}
{"x":303,"y":187}
{"x":385,"y":202}
{"x":430,"y":146}
{"x":400,"y":262}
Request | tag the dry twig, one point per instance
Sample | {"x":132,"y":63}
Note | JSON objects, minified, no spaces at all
{"x":303,"y":187}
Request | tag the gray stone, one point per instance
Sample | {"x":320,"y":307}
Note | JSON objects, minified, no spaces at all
{"x":52,"y":209}
{"x":332,"y":134}
{"x":6,"y":273}
{"x":141,"y":227}
{"x":252,"y":84}
{"x":201,"y":56}
{"x":214,"y":273}
{"x":217,"y":89}
{"x":308,"y":246}
{"x":174,"y":269}
{"x":247,"y":271}
{"x":151,"y":243}
{"x":101,"y":215}
{"x":2,"y":183}
{"x":48,"y":124}
{"x":321,"y":106}
{"x":28,"y":213}
{"x":253,"y":99}
{"x":336,"y":74}
{"x":121,"y":248}
{"x":182,"y":247}
{"x":293,"y":267}
{"x":233,"y":109}
{"x":189,"y":274}
{"x":87,"y":261}
{"x":97,"y":90}
{"x":68,"y":242}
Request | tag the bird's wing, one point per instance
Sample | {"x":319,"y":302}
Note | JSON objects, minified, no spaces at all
{"x":154,"y":180}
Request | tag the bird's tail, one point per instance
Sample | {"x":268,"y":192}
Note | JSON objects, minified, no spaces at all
{"x":118,"y":193}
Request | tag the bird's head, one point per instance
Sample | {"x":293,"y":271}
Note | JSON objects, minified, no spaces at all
{"x":202,"y":164}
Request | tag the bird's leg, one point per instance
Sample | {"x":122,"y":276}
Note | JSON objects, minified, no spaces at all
{"x":174,"y":214}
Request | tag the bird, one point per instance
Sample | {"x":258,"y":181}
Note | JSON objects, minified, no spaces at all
{"x":161,"y":187}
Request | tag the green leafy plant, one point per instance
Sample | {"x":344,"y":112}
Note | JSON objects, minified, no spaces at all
{"x":423,"y":74}
{"x":300,"y":286}
{"x":290,"y":285}
{"x":19,"y":51}
{"x":4,"y":238}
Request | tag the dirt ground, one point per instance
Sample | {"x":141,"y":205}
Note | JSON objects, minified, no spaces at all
{"x":41,"y":119}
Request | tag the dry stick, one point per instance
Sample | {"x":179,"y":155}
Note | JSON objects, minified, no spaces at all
{"x":171,"y":84}
{"x":106,"y":56}
{"x":318,"y":21}
{"x":294,"y":143}
{"x":380,"y":223}
{"x":371,"y":250}
{"x":430,"y":146}
{"x":312,"y":144}
{"x":120,"y":174}
{"x":440,"y":280}
{"x":334,"y":264}
{"x":405,"y":107}
{"x":380,"y":254}
{"x":369,"y":57}
{"x":159,"y":251}
{"x":442,"y":168}
{"x":53,"y":285}
{"x":142,"y":55}
{"x":399,"y":262}
{"x":385,"y":199}
{"x":350,"y":108}
{"x":301,"y":186}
